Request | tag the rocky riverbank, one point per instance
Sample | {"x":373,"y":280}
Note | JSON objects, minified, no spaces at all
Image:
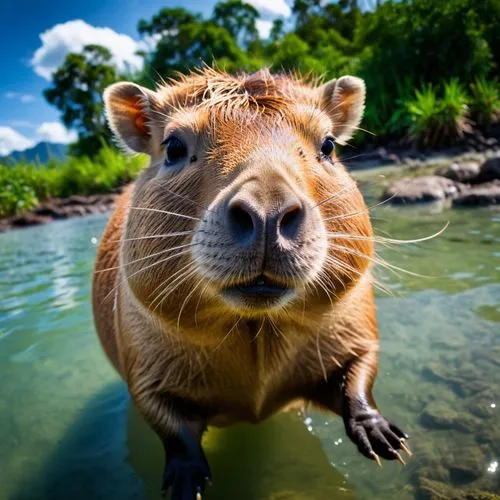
{"x":62,"y":208}
{"x":463,"y":183}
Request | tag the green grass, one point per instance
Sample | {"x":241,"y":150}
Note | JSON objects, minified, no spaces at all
{"x":438,"y":121}
{"x":485,"y":101}
{"x":25,"y":185}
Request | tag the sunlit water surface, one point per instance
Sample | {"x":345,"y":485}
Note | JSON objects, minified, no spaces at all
{"x":68,"y":430}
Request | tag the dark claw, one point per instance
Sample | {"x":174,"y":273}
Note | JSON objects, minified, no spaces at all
{"x":375,"y":436}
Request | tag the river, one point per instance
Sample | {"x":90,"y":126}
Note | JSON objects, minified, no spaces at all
{"x":69,"y":431}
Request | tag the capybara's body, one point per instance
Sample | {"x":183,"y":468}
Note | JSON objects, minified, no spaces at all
{"x":234,"y":277}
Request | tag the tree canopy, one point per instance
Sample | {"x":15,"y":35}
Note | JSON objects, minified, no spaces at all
{"x":397,"y":47}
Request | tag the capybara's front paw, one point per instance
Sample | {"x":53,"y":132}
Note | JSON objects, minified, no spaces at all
{"x":186,"y":477}
{"x":375,"y":436}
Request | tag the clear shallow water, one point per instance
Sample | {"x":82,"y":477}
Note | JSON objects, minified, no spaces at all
{"x":68,"y":430}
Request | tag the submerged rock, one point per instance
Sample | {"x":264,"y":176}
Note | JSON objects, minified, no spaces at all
{"x":422,"y":189}
{"x":441,"y":415}
{"x":438,"y":415}
{"x":435,"y":490}
{"x":467,"y":466}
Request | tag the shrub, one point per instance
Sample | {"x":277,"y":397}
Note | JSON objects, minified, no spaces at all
{"x":438,"y":122}
{"x":24,"y":185}
{"x":485,"y":102}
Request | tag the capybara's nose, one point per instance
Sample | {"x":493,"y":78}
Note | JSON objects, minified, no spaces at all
{"x":250,"y":222}
{"x":246,"y":223}
{"x":289,"y":220}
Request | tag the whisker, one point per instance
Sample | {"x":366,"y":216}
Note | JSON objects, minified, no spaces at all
{"x":189,"y":264}
{"x":320,"y":357}
{"x":378,"y":261}
{"x":178,"y":254}
{"x":166,"y":235}
{"x":186,"y":300}
{"x":169,"y":290}
{"x":260,"y":329}
{"x":124,"y":278}
{"x":187,"y":199}
{"x":347,"y":267}
{"x":227,"y":334}
{"x":334,"y":196}
{"x":198,"y":303}
{"x":384,"y":240}
{"x":147,"y":257}
{"x":359,"y":212}
{"x":164,"y":212}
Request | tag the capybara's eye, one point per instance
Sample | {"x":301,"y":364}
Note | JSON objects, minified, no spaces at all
{"x":328,"y":146}
{"x":176,"y":150}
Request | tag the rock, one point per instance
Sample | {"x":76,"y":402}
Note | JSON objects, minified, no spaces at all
{"x":480,"y":195}
{"x":480,"y":405}
{"x":393,"y":158}
{"x":490,"y":170}
{"x":28,"y":219}
{"x":461,"y":172}
{"x":441,"y":415}
{"x":48,"y":209}
{"x":468,"y":467}
{"x":422,"y":189}
{"x":435,"y":490}
{"x":438,"y":415}
{"x":434,"y":471}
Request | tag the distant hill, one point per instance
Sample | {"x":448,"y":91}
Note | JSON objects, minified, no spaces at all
{"x":41,"y":153}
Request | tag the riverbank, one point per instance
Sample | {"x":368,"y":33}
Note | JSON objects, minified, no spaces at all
{"x":62,"y":208}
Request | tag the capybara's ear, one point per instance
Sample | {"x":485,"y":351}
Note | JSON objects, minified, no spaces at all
{"x":128,"y":109}
{"x":344,"y":101}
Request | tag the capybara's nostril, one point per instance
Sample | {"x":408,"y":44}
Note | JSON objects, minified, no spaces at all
{"x":243,"y":221}
{"x":290,"y":220}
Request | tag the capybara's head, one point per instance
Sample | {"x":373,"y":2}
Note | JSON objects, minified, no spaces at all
{"x":244,"y":209}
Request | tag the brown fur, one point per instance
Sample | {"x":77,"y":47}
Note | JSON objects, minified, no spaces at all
{"x":257,"y":137}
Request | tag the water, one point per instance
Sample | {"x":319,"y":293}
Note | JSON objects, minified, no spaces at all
{"x":68,"y":430}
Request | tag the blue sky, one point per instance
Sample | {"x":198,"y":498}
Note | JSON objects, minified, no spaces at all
{"x":36,"y":35}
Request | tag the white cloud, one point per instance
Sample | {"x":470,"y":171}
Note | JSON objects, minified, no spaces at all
{"x":55,"y":132}
{"x":11,"y":140}
{"x":72,"y":36}
{"x":19,"y":124}
{"x":24,"y":98}
{"x":270,"y":9}
{"x":264,"y":28}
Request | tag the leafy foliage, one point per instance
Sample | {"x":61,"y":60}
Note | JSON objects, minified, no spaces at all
{"x":434,"y":121}
{"x":399,"y":46}
{"x":485,"y":101}
{"x":185,"y":41}
{"x":24,"y":185}
{"x":76,"y":90}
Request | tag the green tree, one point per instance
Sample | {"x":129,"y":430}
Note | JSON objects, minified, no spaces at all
{"x":278,"y":30}
{"x":410,"y":44}
{"x":239,"y":19}
{"x":186,"y":41}
{"x":76,"y":90}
